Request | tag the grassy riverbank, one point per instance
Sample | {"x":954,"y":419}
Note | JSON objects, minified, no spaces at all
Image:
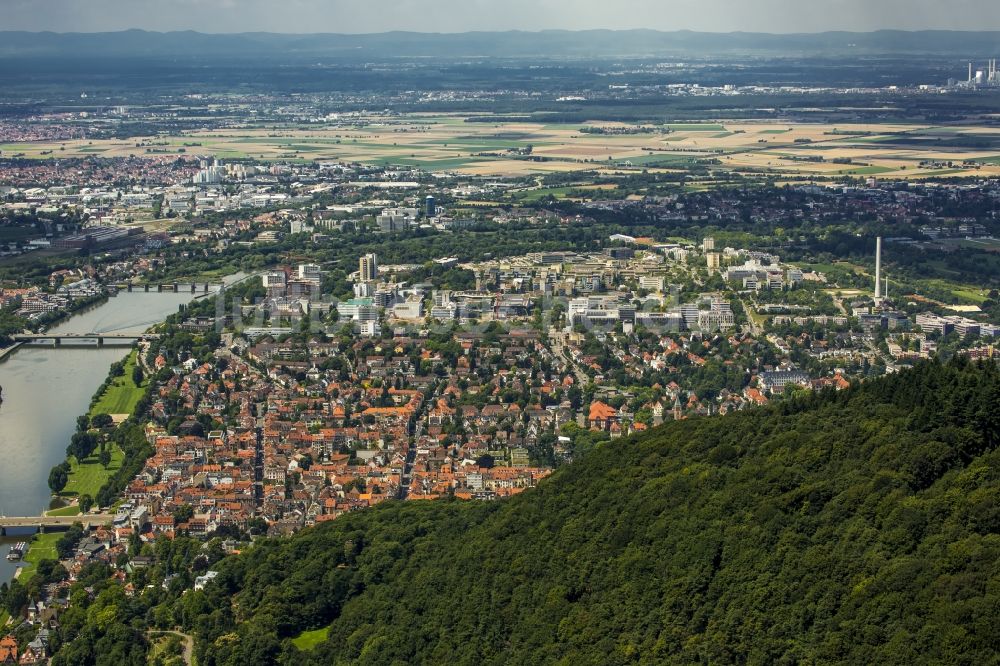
{"x":119,"y":397}
{"x":72,"y":510}
{"x":41,"y":547}
{"x":122,"y":394}
{"x":87,"y":477}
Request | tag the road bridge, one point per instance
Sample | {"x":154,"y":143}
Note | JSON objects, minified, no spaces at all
{"x":101,"y":338}
{"x":178,"y":287}
{"x":40,"y":523}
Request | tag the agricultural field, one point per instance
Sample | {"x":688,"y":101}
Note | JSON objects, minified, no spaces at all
{"x":517,"y":148}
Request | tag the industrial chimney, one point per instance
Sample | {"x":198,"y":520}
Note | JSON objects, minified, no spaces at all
{"x":878,"y":271}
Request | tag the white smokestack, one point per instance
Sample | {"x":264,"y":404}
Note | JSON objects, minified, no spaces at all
{"x":878,"y":270}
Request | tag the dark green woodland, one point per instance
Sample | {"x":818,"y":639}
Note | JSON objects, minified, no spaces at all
{"x":858,"y":527}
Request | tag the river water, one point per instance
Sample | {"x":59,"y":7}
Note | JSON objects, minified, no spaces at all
{"x":46,"y":388}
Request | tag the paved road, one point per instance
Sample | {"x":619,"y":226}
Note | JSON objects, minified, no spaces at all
{"x":755,"y":328}
{"x":411,"y":451}
{"x":28,"y":337}
{"x":558,"y":350}
{"x":188,"y":654}
{"x":55,"y":521}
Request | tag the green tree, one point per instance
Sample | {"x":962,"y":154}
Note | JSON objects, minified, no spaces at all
{"x":58,"y":478}
{"x":81,"y":445}
{"x":101,"y":421}
{"x":184,"y":513}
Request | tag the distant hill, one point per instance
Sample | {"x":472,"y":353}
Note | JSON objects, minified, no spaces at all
{"x":552,"y":43}
{"x":859,"y":527}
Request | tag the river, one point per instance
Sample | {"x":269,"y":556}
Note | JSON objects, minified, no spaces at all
{"x":45,"y":389}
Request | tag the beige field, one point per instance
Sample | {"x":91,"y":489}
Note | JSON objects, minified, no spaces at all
{"x":449,"y":144}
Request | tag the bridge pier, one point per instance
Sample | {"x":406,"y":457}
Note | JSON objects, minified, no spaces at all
{"x":100,"y":342}
{"x":147,"y":287}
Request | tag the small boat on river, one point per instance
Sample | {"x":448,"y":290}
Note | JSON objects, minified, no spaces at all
{"x":17,"y":551}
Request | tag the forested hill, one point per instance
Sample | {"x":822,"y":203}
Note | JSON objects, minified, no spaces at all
{"x":859,"y":527}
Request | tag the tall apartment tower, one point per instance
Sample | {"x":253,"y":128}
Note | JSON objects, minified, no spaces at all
{"x":368,"y":268}
{"x":431,"y":207}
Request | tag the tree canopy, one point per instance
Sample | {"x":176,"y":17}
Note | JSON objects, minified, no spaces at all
{"x":853,"y":527}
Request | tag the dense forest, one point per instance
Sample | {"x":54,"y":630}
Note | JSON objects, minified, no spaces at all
{"x":853,"y":527}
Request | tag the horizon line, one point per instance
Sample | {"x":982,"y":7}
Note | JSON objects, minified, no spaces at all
{"x":510,"y":31}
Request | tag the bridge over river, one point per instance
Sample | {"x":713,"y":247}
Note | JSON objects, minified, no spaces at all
{"x":40,"y":523}
{"x":101,"y":338}
{"x":177,"y":287}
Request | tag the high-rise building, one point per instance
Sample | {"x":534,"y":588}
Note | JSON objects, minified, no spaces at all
{"x":368,"y":268}
{"x":310,"y":273}
{"x":431,"y":209}
{"x":274,"y":283}
{"x":689,"y":313}
{"x":712,"y":260}
{"x":708,"y":244}
{"x":396,"y":219}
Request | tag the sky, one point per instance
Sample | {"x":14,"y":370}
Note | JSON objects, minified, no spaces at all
{"x":362,"y":16}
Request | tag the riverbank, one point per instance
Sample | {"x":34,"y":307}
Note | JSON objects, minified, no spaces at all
{"x":7,"y":351}
{"x":86,"y":477}
{"x":46,"y":387}
{"x":117,"y":397}
{"x":55,"y":318}
{"x":76,"y":307}
{"x":41,"y":547}
{"x":121,"y":394}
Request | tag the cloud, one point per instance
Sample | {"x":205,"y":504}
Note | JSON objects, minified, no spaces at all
{"x":462,"y":15}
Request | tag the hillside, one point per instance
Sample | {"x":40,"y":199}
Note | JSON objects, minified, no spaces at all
{"x":860,"y":527}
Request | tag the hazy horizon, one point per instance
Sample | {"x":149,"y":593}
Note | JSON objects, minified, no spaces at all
{"x":455,"y":16}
